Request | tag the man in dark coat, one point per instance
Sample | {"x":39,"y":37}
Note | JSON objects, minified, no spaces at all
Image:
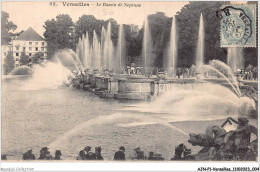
{"x":120,"y":155}
{"x":98,"y":153}
{"x":151,"y":156}
{"x":58,"y":154}
{"x":28,"y":155}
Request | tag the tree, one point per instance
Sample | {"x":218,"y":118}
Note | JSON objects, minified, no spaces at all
{"x":133,"y":42}
{"x":16,"y":34}
{"x":59,"y":34}
{"x":37,"y":58}
{"x":160,"y":26}
{"x":251,"y":56}
{"x":87,"y":23}
{"x":8,"y":63}
{"x":24,"y":59}
{"x":6,"y":27}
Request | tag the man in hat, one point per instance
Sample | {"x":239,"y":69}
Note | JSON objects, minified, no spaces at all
{"x":179,"y":151}
{"x":58,"y":154}
{"x":151,"y":156}
{"x":139,"y":153}
{"x":98,"y":153}
{"x":28,"y":155}
{"x":81,"y":155}
{"x":89,"y":155}
{"x":120,"y":155}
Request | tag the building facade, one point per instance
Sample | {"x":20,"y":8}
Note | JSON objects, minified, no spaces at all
{"x":29,"y":42}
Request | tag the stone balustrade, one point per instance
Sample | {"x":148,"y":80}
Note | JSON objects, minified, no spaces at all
{"x":142,"y":88}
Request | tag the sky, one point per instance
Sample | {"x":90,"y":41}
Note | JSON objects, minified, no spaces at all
{"x":34,"y":14}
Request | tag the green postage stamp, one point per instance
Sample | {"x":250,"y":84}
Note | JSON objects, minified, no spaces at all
{"x":237,"y":25}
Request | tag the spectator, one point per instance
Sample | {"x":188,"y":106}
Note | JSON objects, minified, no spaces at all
{"x":28,"y":155}
{"x":120,"y":155}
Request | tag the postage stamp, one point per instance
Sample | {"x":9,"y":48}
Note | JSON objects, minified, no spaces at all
{"x":237,"y":25}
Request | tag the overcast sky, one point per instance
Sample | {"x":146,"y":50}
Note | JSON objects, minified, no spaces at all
{"x":34,"y":14}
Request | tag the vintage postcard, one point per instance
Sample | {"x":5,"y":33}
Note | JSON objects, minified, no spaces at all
{"x":129,"y":81}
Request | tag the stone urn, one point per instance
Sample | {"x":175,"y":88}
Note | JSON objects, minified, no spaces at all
{"x":95,"y":71}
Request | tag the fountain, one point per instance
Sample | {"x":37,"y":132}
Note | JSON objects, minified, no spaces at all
{"x":77,"y":49}
{"x":101,"y":54}
{"x":200,"y":46}
{"x":228,"y":72}
{"x":76,"y":59}
{"x":82,"y":47}
{"x":80,"y":53}
{"x":87,"y":58}
{"x":208,"y":67}
{"x":171,"y":61}
{"x":41,"y":77}
{"x":120,"y":49}
{"x":96,"y":52}
{"x":69,"y":59}
{"x":92,"y":54}
{"x":103,"y":38}
{"x":53,"y":74}
{"x":109,"y":49}
{"x":146,"y":45}
{"x":235,"y":58}
{"x":22,"y":70}
{"x":137,"y":87}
